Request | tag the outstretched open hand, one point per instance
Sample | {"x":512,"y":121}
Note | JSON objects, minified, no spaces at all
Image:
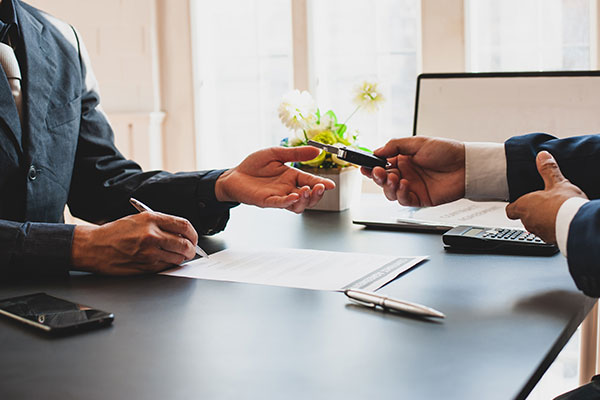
{"x":264,"y":180}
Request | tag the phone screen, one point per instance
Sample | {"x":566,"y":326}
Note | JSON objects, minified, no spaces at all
{"x":50,"y":313}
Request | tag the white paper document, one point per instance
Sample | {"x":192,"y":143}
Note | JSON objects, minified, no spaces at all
{"x":377,"y":211}
{"x":461,"y":212}
{"x":307,"y":269}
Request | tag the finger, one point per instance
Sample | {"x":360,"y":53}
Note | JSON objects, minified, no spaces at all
{"x":316,"y":195}
{"x":404,"y":146}
{"x":166,"y":257}
{"x":368,"y":172}
{"x":306,"y":179}
{"x":548,"y":169}
{"x":301,"y":153}
{"x":414,"y":200}
{"x":157,"y":260}
{"x":176,"y":225}
{"x":390,"y":188}
{"x":304,"y":201}
{"x":281,"y":201}
{"x":513,"y":210}
{"x":405,"y":196}
{"x":178,"y":245}
{"x":380,"y":176}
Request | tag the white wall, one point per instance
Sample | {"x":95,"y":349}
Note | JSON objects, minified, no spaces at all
{"x":122,"y":39}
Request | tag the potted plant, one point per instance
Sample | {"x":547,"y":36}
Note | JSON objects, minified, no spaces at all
{"x":299,"y":112}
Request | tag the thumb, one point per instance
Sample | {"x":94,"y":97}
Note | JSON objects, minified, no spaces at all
{"x":301,"y":153}
{"x":404,"y":146}
{"x":548,"y":169}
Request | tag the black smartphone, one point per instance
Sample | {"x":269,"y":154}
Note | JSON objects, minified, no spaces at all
{"x":52,"y":314}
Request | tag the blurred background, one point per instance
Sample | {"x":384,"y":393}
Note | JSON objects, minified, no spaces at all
{"x":195,"y":84}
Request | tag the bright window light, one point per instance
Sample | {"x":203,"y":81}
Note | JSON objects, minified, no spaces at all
{"x":528,"y":35}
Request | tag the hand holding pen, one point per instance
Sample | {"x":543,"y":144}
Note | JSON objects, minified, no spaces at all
{"x":141,"y":207}
{"x":147,"y":242}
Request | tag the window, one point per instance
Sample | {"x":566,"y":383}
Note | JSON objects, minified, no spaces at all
{"x":375,"y":40}
{"x":242,"y":65}
{"x":518,"y":35}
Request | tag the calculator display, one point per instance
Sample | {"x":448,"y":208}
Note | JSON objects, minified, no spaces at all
{"x":473,"y":232}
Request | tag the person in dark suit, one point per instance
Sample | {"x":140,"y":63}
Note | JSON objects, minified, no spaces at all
{"x":559,"y":204}
{"x":57,"y":148}
{"x":525,"y":171}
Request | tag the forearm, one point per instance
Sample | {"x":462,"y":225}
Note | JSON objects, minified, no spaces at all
{"x":33,"y":249}
{"x":190,"y":195}
{"x":103,"y":181}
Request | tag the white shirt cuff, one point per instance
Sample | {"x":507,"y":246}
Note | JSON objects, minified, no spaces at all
{"x":485,"y":171}
{"x":565,"y":215}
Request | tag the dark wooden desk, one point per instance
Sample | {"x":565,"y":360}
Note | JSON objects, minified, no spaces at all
{"x":174,"y":338}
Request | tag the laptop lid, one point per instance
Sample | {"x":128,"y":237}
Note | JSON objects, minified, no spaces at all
{"x":492,"y":107}
{"x":496,"y":106}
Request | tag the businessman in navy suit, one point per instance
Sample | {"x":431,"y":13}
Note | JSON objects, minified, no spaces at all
{"x":559,"y":204}
{"x":57,"y":148}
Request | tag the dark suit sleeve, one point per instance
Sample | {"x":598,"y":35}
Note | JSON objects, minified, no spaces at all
{"x":579,"y":161}
{"x":578,"y":158}
{"x":583,"y":248}
{"x":34,"y":249}
{"x":103,"y":180}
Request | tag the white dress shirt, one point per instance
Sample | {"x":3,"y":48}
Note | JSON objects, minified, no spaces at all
{"x":485,"y":179}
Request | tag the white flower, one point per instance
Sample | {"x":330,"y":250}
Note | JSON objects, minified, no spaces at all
{"x":297,"y":110}
{"x":327,"y":121}
{"x":295,"y":140}
{"x":367,"y":96}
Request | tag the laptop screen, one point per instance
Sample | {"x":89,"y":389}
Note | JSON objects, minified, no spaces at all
{"x":497,"y":106}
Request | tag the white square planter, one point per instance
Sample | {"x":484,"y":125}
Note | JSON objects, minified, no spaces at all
{"x":347,"y":187}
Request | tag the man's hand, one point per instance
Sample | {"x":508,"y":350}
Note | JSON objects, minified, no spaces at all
{"x":538,"y":210}
{"x":264,"y":180}
{"x":425,"y":171}
{"x":141,"y":243}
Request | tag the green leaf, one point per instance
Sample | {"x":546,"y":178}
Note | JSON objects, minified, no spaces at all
{"x":344,"y":141}
{"x":318,"y":113}
{"x":365,"y":149}
{"x":341,"y":129}
{"x":333,"y":116}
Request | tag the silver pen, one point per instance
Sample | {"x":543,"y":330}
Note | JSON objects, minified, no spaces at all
{"x":141,"y":207}
{"x":373,"y":299}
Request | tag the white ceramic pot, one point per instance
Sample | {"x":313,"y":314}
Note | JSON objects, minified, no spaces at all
{"x":347,"y":187}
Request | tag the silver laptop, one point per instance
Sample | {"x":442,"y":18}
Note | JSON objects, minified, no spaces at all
{"x":493,"y":107}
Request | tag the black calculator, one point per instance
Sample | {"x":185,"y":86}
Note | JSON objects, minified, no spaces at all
{"x":496,"y":240}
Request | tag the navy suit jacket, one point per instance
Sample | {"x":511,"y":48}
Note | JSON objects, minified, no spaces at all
{"x":64,"y":153}
{"x":579,"y":161}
